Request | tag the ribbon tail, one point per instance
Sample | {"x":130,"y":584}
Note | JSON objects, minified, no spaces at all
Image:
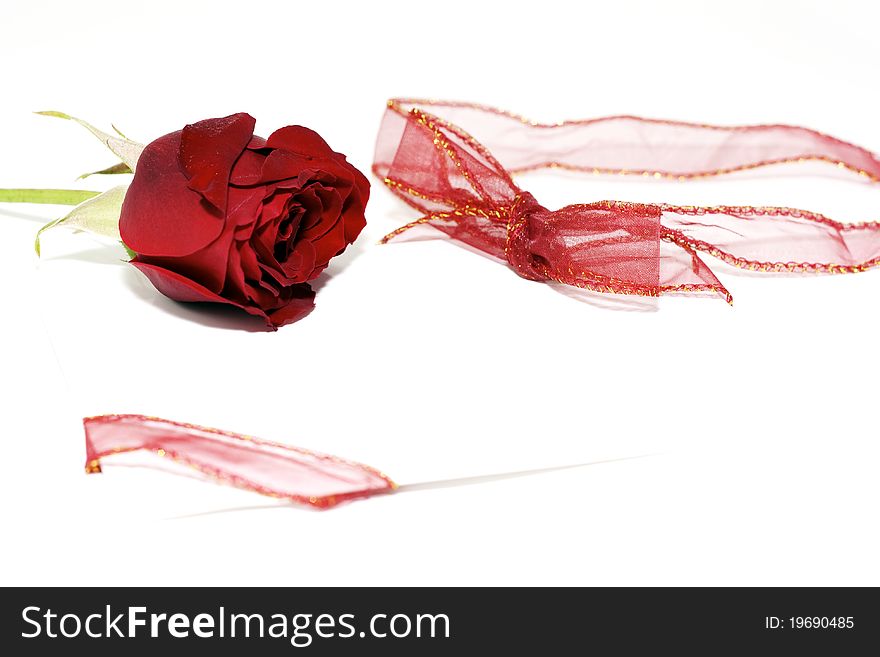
{"x":683,"y":272}
{"x":774,"y":239}
{"x":281,"y":471}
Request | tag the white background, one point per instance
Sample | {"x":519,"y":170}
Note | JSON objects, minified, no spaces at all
{"x":756,"y":424}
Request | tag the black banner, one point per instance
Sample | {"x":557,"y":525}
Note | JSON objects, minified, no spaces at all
{"x":445,"y":621}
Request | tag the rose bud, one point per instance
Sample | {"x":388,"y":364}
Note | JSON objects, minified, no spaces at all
{"x":217,"y":214}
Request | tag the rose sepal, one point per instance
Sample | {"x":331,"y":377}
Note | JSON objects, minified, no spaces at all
{"x":94,"y":212}
{"x":98,"y":215}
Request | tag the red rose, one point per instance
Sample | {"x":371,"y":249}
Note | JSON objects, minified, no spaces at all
{"x":217,"y":214}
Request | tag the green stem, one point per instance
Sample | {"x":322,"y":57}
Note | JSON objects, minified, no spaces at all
{"x":50,"y":196}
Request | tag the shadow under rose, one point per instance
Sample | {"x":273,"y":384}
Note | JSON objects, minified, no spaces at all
{"x":218,"y":315}
{"x":214,"y":315}
{"x":7,"y":212}
{"x":208,"y":314}
{"x":99,"y":255}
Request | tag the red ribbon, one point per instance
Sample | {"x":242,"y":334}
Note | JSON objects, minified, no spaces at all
{"x":264,"y":467}
{"x":425,"y":153}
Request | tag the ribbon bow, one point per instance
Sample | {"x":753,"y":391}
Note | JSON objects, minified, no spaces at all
{"x":426,"y":155}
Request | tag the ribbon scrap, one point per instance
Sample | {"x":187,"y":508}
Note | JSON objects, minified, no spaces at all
{"x":281,"y":471}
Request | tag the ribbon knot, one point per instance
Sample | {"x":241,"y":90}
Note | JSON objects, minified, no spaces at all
{"x":607,"y":246}
{"x":517,"y":248}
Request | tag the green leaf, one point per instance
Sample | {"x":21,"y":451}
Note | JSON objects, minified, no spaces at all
{"x":126,"y":150}
{"x":98,"y":215}
{"x":48,"y":196}
{"x":121,"y":167}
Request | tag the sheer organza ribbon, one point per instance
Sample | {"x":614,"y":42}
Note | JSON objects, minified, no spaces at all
{"x":463,"y":186}
{"x":272,"y":469}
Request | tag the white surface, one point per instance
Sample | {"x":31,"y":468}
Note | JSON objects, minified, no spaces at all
{"x":424,"y":359}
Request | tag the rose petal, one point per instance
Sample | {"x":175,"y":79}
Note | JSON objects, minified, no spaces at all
{"x":299,"y":139}
{"x":244,"y":206}
{"x":249,"y":264}
{"x":208,"y":266}
{"x":160,"y":215}
{"x":302,"y":140}
{"x":354,"y":222}
{"x":256,"y":143}
{"x":283,"y":165}
{"x":274,"y":207}
{"x":362,"y":185}
{"x":311,"y":207}
{"x":235,"y":286}
{"x":209,"y":149}
{"x":179,"y":288}
{"x":248,"y":168}
{"x":300,"y":304}
{"x":302,"y":260}
{"x":326,"y":215}
{"x":330,"y":243}
{"x":353,"y":208}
